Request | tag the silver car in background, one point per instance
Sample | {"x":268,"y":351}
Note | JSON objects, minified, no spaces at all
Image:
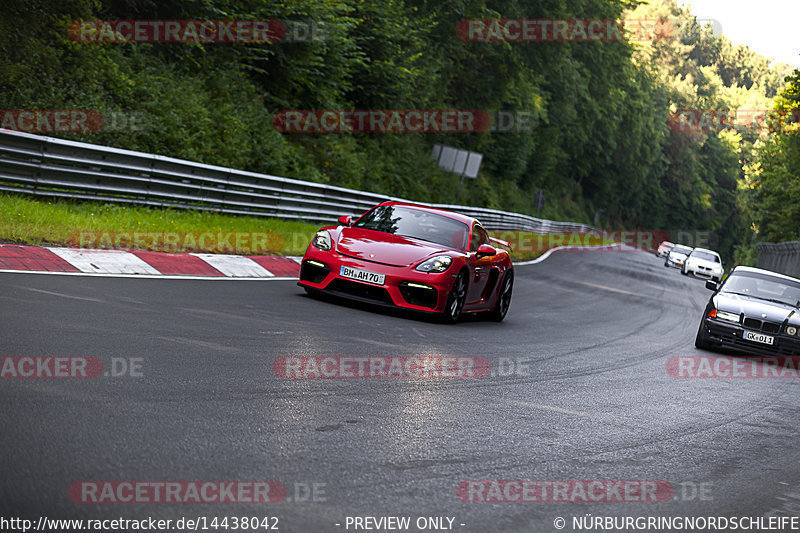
{"x":677,"y":256}
{"x":704,"y":264}
{"x":664,"y":248}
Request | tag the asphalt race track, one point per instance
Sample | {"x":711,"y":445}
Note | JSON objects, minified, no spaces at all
{"x":586,"y":343}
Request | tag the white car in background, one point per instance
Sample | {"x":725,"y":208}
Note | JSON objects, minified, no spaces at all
{"x":664,"y":248}
{"x":705,"y":264}
{"x":677,"y":256}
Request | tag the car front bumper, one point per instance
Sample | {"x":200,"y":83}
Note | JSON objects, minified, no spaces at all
{"x":704,"y":273}
{"x":730,"y":335}
{"x":403,"y":286}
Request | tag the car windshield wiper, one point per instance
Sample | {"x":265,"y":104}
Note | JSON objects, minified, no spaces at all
{"x":773,"y":300}
{"x":778,"y":301}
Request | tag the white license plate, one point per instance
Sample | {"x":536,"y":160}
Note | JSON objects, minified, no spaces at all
{"x":362,"y":275}
{"x":758,"y":337}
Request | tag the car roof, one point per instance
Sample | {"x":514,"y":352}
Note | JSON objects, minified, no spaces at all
{"x":706,"y":250}
{"x":762,"y":271}
{"x":444,"y":212}
{"x":683,"y":246}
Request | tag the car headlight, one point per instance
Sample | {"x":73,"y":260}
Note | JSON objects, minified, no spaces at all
{"x":791,"y":330}
{"x":730,"y":317}
{"x":322,"y":240}
{"x":440,"y":263}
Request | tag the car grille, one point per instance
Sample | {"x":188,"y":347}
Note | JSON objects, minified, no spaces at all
{"x":727,"y":338}
{"x":360,"y":290}
{"x":752,"y":323}
{"x":758,"y":325}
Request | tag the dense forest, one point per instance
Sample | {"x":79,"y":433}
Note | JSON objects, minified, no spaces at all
{"x":604,"y":138}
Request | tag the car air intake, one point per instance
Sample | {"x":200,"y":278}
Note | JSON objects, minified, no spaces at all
{"x":418,"y":295}
{"x":360,"y":290}
{"x":313,"y":272}
{"x":752,"y":323}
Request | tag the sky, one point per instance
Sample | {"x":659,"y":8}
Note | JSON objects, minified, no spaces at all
{"x":770,"y":27}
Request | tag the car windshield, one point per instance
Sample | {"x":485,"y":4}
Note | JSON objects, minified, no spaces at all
{"x":417,"y":224}
{"x":706,"y":256}
{"x":685,"y":250}
{"x":765,"y":287}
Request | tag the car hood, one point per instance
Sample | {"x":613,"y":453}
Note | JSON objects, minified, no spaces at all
{"x":385,"y":248}
{"x":674,"y":256}
{"x":755,"y":308}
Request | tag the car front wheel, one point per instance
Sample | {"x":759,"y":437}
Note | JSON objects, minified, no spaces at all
{"x":701,"y":341}
{"x":504,"y":298}
{"x":455,"y":300}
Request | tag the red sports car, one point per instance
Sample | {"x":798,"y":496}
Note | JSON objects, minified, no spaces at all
{"x":414,"y":257}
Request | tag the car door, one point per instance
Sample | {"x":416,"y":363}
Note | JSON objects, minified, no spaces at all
{"x":479,"y":267}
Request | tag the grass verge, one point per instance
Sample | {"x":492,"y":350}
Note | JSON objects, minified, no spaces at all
{"x":26,"y":220}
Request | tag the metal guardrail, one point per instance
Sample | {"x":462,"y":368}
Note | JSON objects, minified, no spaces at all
{"x":50,"y":167}
{"x":782,"y":257}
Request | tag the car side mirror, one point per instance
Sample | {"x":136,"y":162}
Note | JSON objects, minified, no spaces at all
{"x":484,"y":250}
{"x":711,"y":285}
{"x":345,"y":220}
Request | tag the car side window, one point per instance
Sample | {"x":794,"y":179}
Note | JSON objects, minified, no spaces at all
{"x":479,"y":236}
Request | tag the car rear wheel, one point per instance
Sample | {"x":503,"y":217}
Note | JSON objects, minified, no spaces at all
{"x":504,"y":298}
{"x":455,"y":300}
{"x":701,"y":341}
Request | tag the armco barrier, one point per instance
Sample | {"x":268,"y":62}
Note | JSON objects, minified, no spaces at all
{"x":50,"y":167}
{"x":783,"y":257}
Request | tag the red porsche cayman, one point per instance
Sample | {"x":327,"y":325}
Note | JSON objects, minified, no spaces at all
{"x":414,"y":257}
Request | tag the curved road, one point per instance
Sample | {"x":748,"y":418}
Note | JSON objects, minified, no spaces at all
{"x":588,"y":397}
